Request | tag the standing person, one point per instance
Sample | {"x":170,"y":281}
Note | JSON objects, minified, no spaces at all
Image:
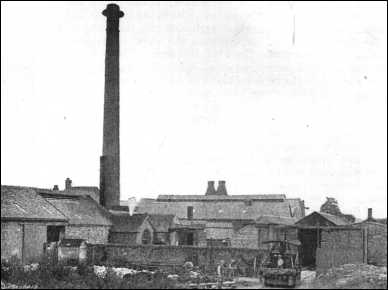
{"x":280,"y":261}
{"x":220,"y":273}
{"x":233,"y":269}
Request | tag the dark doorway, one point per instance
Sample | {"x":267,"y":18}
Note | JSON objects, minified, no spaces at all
{"x":55,"y":233}
{"x":190,"y":239}
{"x":309,"y":239}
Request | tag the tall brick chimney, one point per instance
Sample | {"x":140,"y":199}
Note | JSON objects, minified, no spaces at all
{"x":221,"y":189}
{"x":110,"y":159}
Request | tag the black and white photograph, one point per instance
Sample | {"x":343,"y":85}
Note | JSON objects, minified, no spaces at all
{"x":193,"y":144}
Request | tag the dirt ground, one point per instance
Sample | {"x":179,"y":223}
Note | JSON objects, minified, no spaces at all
{"x":255,"y":283}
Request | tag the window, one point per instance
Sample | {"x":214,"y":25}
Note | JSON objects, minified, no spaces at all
{"x":190,"y":211}
{"x":146,"y":237}
{"x":190,"y":239}
{"x":248,"y":202}
{"x":55,"y":233}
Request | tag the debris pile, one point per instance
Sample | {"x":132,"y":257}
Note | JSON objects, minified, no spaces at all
{"x":353,"y":276}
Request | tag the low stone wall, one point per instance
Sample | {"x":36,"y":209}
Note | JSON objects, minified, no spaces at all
{"x":175,"y":255}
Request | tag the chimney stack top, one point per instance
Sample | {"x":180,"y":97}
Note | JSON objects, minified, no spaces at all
{"x":370,"y":214}
{"x":221,"y":189}
{"x":113,"y":10}
{"x":210,"y":188}
{"x":68,"y":182}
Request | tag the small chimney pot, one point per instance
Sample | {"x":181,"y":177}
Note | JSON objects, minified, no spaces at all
{"x":210,"y":188}
{"x":370,"y":214}
{"x":68,"y":182}
{"x":221,"y":189}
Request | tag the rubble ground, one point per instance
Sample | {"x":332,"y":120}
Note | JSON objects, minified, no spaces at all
{"x":351,"y":276}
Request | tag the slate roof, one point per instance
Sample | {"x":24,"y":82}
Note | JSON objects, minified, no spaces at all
{"x":276,"y":220}
{"x":125,"y":223}
{"x":80,"y":210}
{"x":24,"y":203}
{"x":236,"y":209}
{"x":221,"y":197}
{"x":162,"y":222}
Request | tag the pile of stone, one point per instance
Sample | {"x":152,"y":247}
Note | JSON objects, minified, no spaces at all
{"x":353,"y":276}
{"x":5,"y":285}
{"x":101,"y":271}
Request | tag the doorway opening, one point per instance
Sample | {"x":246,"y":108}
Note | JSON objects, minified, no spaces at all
{"x":55,"y":233}
{"x":310,"y":240}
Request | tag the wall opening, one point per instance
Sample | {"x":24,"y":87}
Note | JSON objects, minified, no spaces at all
{"x":190,"y":239}
{"x":55,"y":233}
{"x":146,"y":237}
{"x":310,"y":240}
{"x":190,"y":212}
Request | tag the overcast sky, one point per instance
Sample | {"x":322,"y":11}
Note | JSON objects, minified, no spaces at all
{"x":209,"y":91}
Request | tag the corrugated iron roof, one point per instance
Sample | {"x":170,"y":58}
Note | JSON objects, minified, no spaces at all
{"x":18,"y":202}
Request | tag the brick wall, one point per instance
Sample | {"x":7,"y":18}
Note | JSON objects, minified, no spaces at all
{"x":246,"y":237}
{"x":339,"y":247}
{"x":24,"y":240}
{"x":92,"y":234}
{"x":11,"y":240}
{"x":162,"y":237}
{"x":35,"y":235}
{"x":377,"y":243}
{"x":236,"y":209}
{"x":122,"y":238}
{"x":144,"y":254}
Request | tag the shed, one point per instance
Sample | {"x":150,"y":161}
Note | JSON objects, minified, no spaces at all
{"x":27,"y":223}
{"x":310,"y":233}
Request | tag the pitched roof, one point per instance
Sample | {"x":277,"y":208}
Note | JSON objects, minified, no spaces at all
{"x":221,"y":197}
{"x":92,"y":191}
{"x":125,"y":223}
{"x":238,"y":209}
{"x":276,"y":220}
{"x":162,"y":222}
{"x":80,"y":210}
{"x":334,"y":219}
{"x":312,"y":220}
{"x":18,"y":202}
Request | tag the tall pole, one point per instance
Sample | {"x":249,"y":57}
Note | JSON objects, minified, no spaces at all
{"x":110,"y":159}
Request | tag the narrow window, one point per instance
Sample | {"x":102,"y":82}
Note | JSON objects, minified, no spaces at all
{"x":248,"y":202}
{"x":146,"y":237}
{"x":190,"y":211}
